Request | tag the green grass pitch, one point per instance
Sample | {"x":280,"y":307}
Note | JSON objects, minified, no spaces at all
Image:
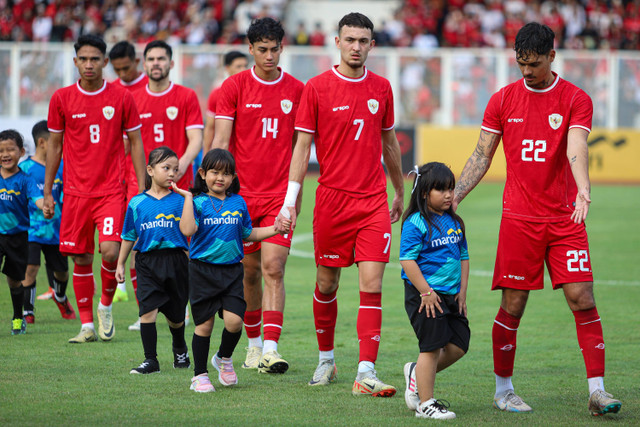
{"x":45,"y":381}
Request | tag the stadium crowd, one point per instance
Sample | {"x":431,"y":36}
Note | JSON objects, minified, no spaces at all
{"x":579,"y":24}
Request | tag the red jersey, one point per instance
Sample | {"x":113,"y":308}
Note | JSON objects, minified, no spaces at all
{"x":137,"y":83}
{"x":347,"y":117}
{"x":534,"y":125}
{"x":264,"y":114}
{"x":92,"y":148}
{"x":165,"y":118}
{"x":212,"y":102}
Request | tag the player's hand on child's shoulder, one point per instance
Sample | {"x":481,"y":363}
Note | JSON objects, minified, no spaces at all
{"x":180,"y":191}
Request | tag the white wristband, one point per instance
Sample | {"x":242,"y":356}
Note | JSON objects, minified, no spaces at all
{"x":292,"y":193}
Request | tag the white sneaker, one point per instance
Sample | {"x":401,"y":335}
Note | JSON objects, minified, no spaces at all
{"x":325,"y":373}
{"x":436,"y":409}
{"x":411,"y":391}
{"x":135,"y":326}
{"x":510,"y":402}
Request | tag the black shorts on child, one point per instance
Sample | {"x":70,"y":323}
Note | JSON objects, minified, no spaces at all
{"x":215,"y":287}
{"x":450,"y":326}
{"x":14,"y":249}
{"x":52,"y":257}
{"x":163,"y":282}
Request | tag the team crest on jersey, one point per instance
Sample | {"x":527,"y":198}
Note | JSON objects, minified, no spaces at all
{"x":172,"y":112}
{"x":108,"y":112}
{"x":286,"y":106}
{"x":373,"y":106}
{"x":555,"y":120}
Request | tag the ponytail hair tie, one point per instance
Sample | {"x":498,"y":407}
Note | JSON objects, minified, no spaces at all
{"x":415,"y":183}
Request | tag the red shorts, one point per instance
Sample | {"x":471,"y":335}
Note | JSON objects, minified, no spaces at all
{"x":347,"y":229}
{"x":81,"y":216}
{"x":263,"y":211}
{"x":524,"y":247}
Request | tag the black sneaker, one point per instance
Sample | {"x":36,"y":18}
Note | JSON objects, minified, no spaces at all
{"x":149,"y":366}
{"x":181,"y":358}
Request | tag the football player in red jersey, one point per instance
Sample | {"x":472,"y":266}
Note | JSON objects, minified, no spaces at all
{"x":169,"y":112}
{"x":91,"y":115}
{"x":255,"y":115}
{"x":348,"y":111}
{"x":125,"y":64}
{"x":543,"y":122}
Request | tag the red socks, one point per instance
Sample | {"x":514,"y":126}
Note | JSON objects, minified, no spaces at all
{"x":325,"y":314}
{"x":272,"y":325}
{"x":253,"y":322}
{"x":83,"y":286}
{"x":109,"y":282}
{"x":591,"y":341}
{"x":134,"y":282}
{"x":368,"y":325}
{"x":505,"y":329}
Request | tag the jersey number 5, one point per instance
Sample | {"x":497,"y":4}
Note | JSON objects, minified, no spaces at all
{"x":537,"y":147}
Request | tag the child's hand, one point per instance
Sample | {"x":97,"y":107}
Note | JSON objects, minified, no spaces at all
{"x":120,"y":273}
{"x":180,"y":191}
{"x":282,"y":225}
{"x":430,"y":303}
{"x":461,"y":299}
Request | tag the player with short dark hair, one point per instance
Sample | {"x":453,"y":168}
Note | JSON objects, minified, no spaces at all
{"x":125,"y":63}
{"x":91,"y":115}
{"x":255,"y":115}
{"x":543,"y":121}
{"x":348,"y":111}
{"x":170,"y":113}
{"x":234,"y":62}
{"x":44,"y":234}
{"x":16,"y":190}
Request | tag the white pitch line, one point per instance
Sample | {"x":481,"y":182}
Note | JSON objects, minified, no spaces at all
{"x":306,"y":237}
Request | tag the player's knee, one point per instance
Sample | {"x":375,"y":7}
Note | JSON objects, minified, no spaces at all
{"x":273,"y":272}
{"x":62,"y":276}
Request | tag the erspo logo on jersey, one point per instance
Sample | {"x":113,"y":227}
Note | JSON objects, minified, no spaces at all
{"x":161,"y":221}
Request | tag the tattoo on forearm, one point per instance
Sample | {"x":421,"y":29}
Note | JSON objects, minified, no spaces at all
{"x":476,"y":166}
{"x":573,"y":160}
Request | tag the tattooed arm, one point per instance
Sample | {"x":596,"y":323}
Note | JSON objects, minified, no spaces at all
{"x":477,"y":165}
{"x":578,"y":154}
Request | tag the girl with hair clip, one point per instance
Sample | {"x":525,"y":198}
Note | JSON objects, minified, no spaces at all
{"x":435,"y":269}
{"x":217,"y":219}
{"x":152,"y":224}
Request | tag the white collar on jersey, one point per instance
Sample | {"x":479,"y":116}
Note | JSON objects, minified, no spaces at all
{"x":349,"y":79}
{"x":547,"y":89}
{"x":164,"y":92}
{"x":267,"y":82}
{"x":104,"y":85}
{"x":134,"y":81}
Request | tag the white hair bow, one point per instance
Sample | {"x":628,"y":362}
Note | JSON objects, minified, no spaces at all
{"x":415,"y":183}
